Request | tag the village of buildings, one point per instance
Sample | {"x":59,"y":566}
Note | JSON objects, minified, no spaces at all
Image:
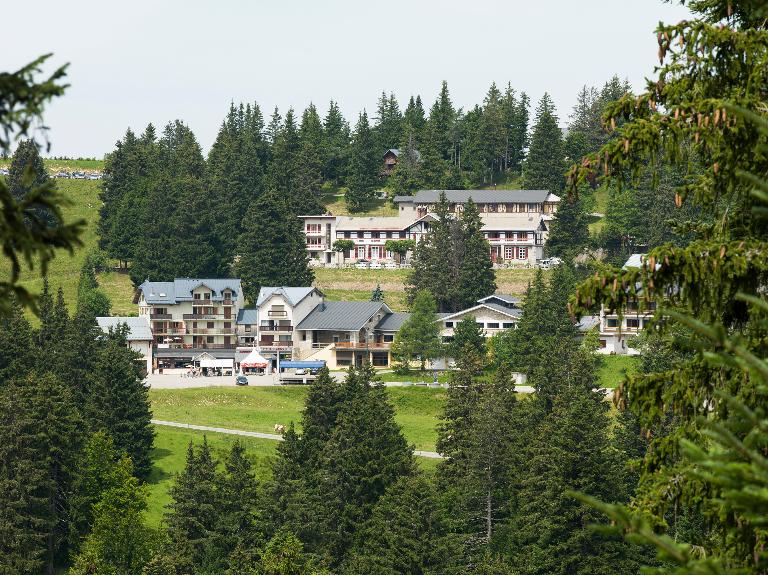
{"x":205,"y":323}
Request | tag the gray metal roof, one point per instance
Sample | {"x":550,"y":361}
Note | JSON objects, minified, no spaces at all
{"x":515,"y":312}
{"x":247,"y":316}
{"x":180,"y":289}
{"x":138,"y":327}
{"x":587,"y":322}
{"x":500,"y":296}
{"x":479,"y":196}
{"x":293,"y":295}
{"x":341,"y":315}
{"x":392,"y":321}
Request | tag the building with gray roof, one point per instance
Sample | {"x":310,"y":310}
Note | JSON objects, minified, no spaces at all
{"x":139,"y":336}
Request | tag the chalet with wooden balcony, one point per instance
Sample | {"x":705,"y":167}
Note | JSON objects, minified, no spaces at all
{"x":347,"y":333}
{"x":189,"y":315}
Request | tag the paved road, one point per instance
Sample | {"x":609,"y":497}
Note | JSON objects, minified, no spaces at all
{"x":272,"y":436}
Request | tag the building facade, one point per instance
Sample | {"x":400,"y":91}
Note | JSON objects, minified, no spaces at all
{"x":493,"y":314}
{"x":515,"y":223}
{"x":188,"y":316}
{"x":139,"y":336}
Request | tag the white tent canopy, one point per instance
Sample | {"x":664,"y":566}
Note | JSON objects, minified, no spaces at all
{"x":216,"y":363}
{"x":254,"y":359}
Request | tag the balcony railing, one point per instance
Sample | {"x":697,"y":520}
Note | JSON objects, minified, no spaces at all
{"x":213,"y":330}
{"x":275,"y":328}
{"x":277,"y":313}
{"x":160,"y":316}
{"x":228,"y":302}
{"x":362,"y":345}
{"x":275,"y":344}
{"x":188,"y":316}
{"x":201,"y":346}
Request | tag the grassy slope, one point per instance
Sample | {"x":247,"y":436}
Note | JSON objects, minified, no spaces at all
{"x":64,"y":270}
{"x":260,"y":408}
{"x":67,"y":165}
{"x":615,"y":367}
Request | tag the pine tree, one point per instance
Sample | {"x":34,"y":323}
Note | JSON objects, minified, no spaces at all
{"x":442,"y":118}
{"x":337,"y":138}
{"x":17,"y":349}
{"x":271,"y":248}
{"x":193,"y":513}
{"x":544,"y":167}
{"x":419,"y":337}
{"x":378,"y":294}
{"x":311,"y":154}
{"x":467,"y":333}
{"x":359,"y":466}
{"x":27,"y":172}
{"x":364,"y":163}
{"x":40,"y":440}
{"x":388,"y":131}
{"x":406,"y":177}
{"x":415,"y":118}
{"x":494,"y":130}
{"x":405,"y":534}
{"x":476,"y":278}
{"x":120,"y":401}
{"x":569,"y":232}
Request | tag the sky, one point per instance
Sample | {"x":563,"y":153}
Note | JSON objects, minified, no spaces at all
{"x":141,"y":61}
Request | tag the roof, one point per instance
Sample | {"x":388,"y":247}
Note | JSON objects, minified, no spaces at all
{"x":138,"y":327}
{"x":347,"y":223}
{"x":634,"y":261}
{"x":292,"y":295}
{"x":180,"y":289}
{"x":510,"y":299}
{"x":480,"y":196}
{"x":587,"y":322}
{"x":341,"y":315}
{"x":302,"y":364}
{"x":392,"y":321}
{"x":509,"y":312}
{"x":247,"y":316}
{"x":395,"y":151}
{"x":524,"y":222}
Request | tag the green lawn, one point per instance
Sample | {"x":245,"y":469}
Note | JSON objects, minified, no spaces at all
{"x":615,"y":367}
{"x":260,"y":408}
{"x":170,"y":454}
{"x":64,"y":270}
{"x":66,"y":165}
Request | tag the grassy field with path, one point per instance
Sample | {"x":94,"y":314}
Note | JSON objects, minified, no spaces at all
{"x":615,"y":367}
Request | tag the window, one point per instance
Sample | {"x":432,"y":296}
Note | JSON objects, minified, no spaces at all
{"x":347,"y":235}
{"x":612,"y":322}
{"x":509,"y":252}
{"x":602,"y":344}
{"x":247,"y":329}
{"x":522,"y":253}
{"x":508,"y":325}
{"x":314,"y":228}
{"x":402,"y":234}
{"x":353,"y":234}
{"x":388,"y":338}
{"x":227,"y":325}
{"x":210,"y":325}
{"x":194,"y":324}
{"x":207,"y":295}
{"x":389,"y":234}
{"x":209,"y":339}
{"x":449,"y":324}
{"x":196,"y":296}
{"x":494,"y":235}
{"x":493,"y":325}
{"x":314,"y":241}
{"x":633,"y":323}
{"x":375,"y":235}
{"x":480,"y":324}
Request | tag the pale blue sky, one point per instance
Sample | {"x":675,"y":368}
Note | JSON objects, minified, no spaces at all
{"x":138,"y":61}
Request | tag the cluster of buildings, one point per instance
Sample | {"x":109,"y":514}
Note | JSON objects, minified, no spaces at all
{"x":515,"y":223}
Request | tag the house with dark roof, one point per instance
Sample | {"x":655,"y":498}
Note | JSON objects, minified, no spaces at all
{"x":493,"y":314}
{"x":190,"y":315}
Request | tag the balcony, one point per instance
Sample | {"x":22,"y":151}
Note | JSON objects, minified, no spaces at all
{"x":160,"y":316}
{"x":269,"y":328}
{"x":269,"y":345}
{"x":188,"y":316}
{"x":228,"y":302}
{"x":277,"y":313}
{"x":362,"y":345}
{"x":212,"y":331}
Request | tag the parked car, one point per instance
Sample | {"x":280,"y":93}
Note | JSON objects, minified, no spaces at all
{"x":375,"y":266}
{"x":362,"y":264}
{"x":301,"y":371}
{"x":390,"y":265}
{"x":548,"y":263}
{"x":241,"y":380}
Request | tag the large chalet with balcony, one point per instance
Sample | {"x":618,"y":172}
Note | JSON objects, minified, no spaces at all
{"x":515,"y":223}
{"x":190,"y":316}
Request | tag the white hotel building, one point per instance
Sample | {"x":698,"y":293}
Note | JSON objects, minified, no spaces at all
{"x":515,"y":225}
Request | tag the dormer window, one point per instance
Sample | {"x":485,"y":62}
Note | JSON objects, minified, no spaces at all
{"x":196,"y":296}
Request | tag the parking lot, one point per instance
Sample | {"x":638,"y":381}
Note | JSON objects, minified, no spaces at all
{"x":174,"y":381}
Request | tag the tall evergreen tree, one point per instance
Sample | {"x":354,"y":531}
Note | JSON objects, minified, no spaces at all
{"x":415,"y":118}
{"x":388,"y":131}
{"x":476,"y":278}
{"x":419,"y":337}
{"x":17,"y":345}
{"x":364,"y":164}
{"x":41,"y":434}
{"x":337,"y":137}
{"x":569,"y":232}
{"x":545,"y":165}
{"x":26,"y":172}
{"x":311,"y":155}
{"x":271,"y":248}
{"x":120,"y":402}
{"x":442,"y":119}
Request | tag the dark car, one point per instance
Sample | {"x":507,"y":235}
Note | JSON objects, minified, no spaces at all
{"x":241,"y":380}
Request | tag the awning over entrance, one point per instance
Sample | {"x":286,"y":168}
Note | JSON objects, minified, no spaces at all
{"x":302,"y":364}
{"x":216,"y":363}
{"x":253,"y":359}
